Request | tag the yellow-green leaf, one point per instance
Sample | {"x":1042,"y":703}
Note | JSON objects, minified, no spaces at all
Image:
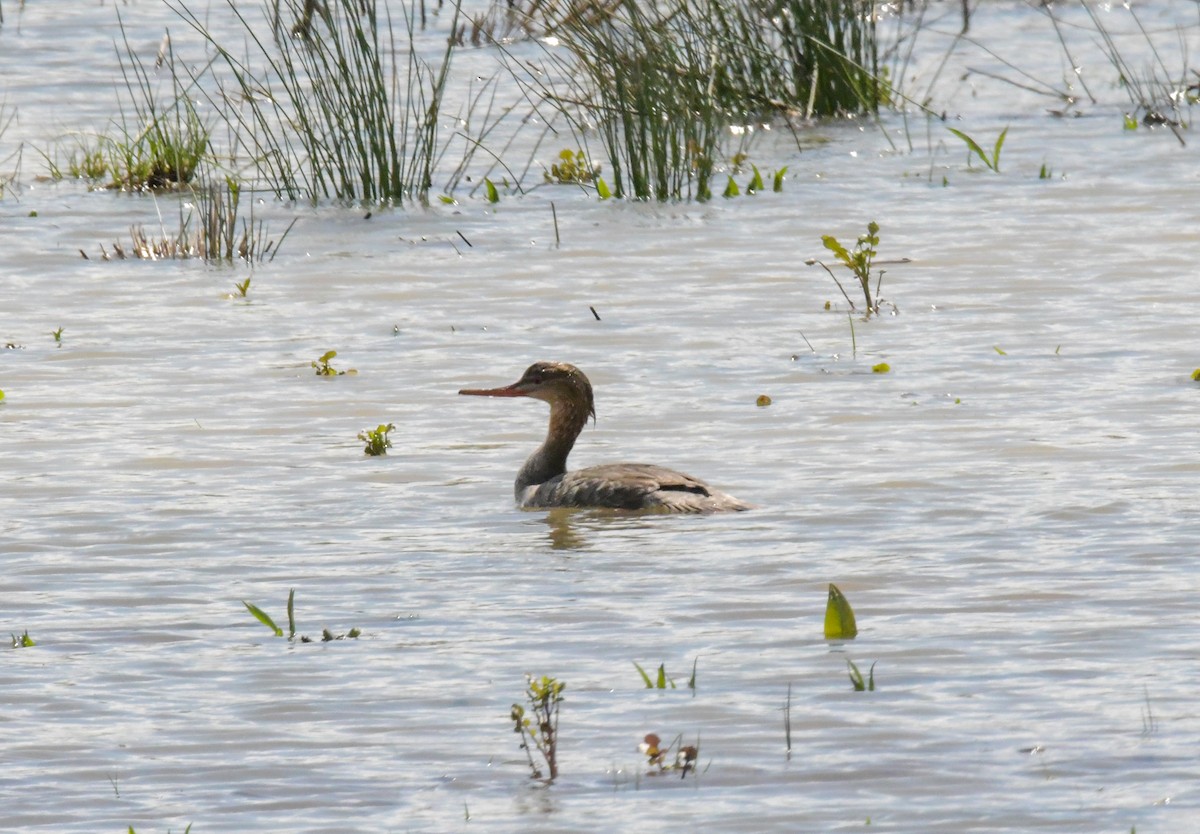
{"x":1195,"y":377}
{"x":881,"y":368}
{"x":839,"y":616}
{"x":263,"y":618}
{"x":763,"y":401}
{"x":493,"y":196}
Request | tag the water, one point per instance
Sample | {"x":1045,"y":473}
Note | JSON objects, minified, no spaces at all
{"x":1015,"y":530}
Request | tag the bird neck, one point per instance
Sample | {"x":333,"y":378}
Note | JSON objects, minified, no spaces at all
{"x":567,"y":420}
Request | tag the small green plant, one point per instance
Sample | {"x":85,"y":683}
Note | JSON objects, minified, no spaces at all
{"x":663,"y":681}
{"x":242,"y":287}
{"x":572,"y":168}
{"x":57,"y":334}
{"x":377,"y":439}
{"x":323,"y":367}
{"x":856,"y":677}
{"x":992,"y":160}
{"x":860,"y":261}
{"x":265,"y":618}
{"x":538,"y":727}
{"x":22,"y":642}
{"x":659,"y":757}
{"x":839,"y":616}
{"x":881,"y":368}
{"x":493,"y":196}
{"x":1195,"y":377}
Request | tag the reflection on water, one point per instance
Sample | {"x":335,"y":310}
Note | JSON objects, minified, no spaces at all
{"x":565,"y":531}
{"x":1015,"y":528}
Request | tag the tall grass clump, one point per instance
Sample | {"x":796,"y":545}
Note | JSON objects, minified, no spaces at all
{"x":212,"y":229}
{"x":163,"y":141}
{"x":334,"y":107}
{"x":662,"y":83}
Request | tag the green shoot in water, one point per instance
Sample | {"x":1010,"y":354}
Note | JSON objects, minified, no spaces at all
{"x":377,"y":439}
{"x":538,"y":726}
{"x":992,"y":160}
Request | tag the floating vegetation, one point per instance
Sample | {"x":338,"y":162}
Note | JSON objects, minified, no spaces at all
{"x":839,"y":616}
{"x":377,"y":439}
{"x":538,"y":727}
{"x":24,"y":641}
{"x":660,"y":759}
{"x":265,"y":618}
{"x":992,"y":160}
{"x":57,"y":334}
{"x":572,"y":168}
{"x":881,"y":368}
{"x":322,"y":365}
{"x":856,"y":677}
{"x":763,"y":401}
{"x":242,"y":287}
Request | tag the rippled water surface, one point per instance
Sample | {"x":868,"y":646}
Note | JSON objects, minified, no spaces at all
{"x":1012,"y":510}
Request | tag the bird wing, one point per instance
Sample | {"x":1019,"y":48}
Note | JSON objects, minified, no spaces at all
{"x":626,"y":486}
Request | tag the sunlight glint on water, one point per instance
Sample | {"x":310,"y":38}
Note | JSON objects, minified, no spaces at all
{"x":1016,"y":530}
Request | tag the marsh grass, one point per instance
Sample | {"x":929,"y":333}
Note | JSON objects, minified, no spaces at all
{"x":265,"y":618}
{"x":344,"y":109}
{"x":211,"y":229}
{"x":161,"y":141}
{"x":662,"y":84}
{"x":1158,"y":94}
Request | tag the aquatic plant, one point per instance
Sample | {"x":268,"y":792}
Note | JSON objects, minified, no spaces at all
{"x":840,"y":623}
{"x":242,"y":287}
{"x":787,"y":721}
{"x":572,"y":168}
{"x":538,"y":726}
{"x":377,"y":439}
{"x":992,"y":160}
{"x":57,"y":334}
{"x":856,"y":677}
{"x":162,"y":141}
{"x":339,"y":110}
{"x":659,"y":757}
{"x":323,"y":367}
{"x":663,"y":680}
{"x":661,"y":84}
{"x":859,"y":260}
{"x":265,"y":618}
{"x":187,"y":830}
{"x":22,"y":642}
{"x":210,"y":228}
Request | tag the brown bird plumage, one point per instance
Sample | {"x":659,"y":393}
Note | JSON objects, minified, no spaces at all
{"x":544,"y":481}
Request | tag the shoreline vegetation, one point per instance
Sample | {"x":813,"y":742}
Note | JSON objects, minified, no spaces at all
{"x":347,"y":102}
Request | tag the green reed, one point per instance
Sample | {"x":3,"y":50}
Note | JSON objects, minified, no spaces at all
{"x":335,"y":107}
{"x":661,"y":83}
